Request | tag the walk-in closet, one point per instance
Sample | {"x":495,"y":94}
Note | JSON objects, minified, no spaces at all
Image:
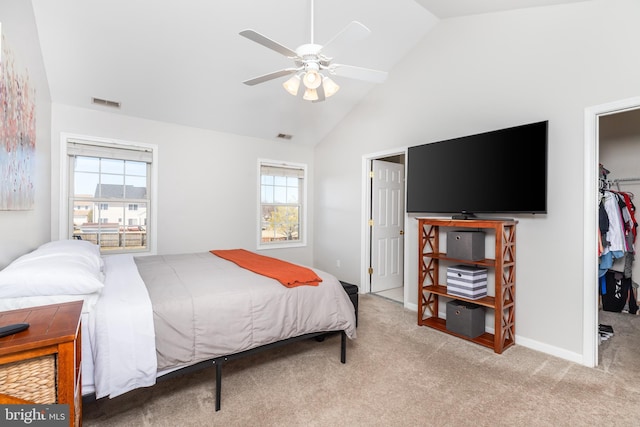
{"x":619,"y":265}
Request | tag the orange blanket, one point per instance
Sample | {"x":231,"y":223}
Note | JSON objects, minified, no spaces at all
{"x":290,"y":275}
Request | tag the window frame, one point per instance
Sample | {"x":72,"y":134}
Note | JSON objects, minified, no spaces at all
{"x":302,"y":214}
{"x":65,"y":226}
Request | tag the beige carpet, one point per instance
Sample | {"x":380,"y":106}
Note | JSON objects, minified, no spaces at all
{"x":397,"y":374}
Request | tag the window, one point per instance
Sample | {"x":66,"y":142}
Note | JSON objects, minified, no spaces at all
{"x":282,"y":205}
{"x":109,"y":194}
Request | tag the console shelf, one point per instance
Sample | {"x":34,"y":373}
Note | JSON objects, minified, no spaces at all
{"x":504,"y":265}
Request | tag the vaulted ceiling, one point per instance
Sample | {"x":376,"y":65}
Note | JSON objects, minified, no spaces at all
{"x":184,"y":62}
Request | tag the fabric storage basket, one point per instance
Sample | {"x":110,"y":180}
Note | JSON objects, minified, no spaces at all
{"x":467,"y":281}
{"x":465,"y":318}
{"x":465,"y":244}
{"x":33,"y":379}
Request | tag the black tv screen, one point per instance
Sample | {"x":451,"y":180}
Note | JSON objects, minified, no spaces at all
{"x":502,"y":171}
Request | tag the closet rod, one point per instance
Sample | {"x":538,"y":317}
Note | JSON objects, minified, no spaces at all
{"x":625,"y":179}
{"x":619,"y":180}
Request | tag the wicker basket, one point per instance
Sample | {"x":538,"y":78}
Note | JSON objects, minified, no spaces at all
{"x":32,"y":379}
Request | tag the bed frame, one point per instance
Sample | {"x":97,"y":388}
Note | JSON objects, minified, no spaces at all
{"x":219,"y":361}
{"x":351,"y":290}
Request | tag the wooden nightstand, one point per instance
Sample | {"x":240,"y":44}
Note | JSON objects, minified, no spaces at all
{"x":41,"y":365}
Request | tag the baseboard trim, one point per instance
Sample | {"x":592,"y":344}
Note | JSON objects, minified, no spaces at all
{"x":533,"y":344}
{"x":551,"y":350}
{"x":411,"y":306}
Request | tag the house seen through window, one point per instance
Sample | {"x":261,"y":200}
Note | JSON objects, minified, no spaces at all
{"x":109,"y":195}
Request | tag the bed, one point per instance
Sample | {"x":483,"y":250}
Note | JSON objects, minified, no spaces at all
{"x":149,"y":317}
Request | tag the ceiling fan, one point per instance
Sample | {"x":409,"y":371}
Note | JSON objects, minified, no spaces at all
{"x":312,"y":66}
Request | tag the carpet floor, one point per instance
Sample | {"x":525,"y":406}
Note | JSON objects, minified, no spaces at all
{"x":397,"y":374}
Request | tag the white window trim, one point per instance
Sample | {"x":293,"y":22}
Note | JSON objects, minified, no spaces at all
{"x":63,"y":226}
{"x":300,"y":243}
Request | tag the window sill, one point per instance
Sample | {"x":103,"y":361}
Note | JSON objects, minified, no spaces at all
{"x":281,"y":246}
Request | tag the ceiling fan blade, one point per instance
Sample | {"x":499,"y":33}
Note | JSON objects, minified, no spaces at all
{"x":359,"y":73}
{"x":353,"y":32}
{"x":267,"y":42}
{"x":270,"y":76}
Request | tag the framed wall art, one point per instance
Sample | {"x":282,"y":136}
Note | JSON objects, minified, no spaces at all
{"x":17,"y":133}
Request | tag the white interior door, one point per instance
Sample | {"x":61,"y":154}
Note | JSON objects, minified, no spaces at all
{"x":387,"y":231}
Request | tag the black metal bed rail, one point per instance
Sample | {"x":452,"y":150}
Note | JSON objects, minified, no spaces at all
{"x":219,"y":361}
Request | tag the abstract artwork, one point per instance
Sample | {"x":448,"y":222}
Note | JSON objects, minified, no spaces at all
{"x":17,"y":134}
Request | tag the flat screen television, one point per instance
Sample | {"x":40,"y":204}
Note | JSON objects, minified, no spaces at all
{"x":498,"y":172}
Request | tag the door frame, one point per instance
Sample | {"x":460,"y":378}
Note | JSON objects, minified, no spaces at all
{"x":365,"y":236}
{"x":590,"y":273}
{"x":387,"y":179}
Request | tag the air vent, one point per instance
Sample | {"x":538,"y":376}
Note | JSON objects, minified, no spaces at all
{"x":284,"y":136}
{"x":106,"y":102}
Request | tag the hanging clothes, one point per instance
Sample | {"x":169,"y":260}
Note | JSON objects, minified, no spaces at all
{"x":627,"y":210}
{"x":614,"y":241}
{"x":628,"y":199}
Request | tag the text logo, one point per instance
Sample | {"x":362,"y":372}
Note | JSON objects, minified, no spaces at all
{"x":55,"y":415}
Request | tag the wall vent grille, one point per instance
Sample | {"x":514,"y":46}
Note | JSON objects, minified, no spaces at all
{"x":105,"y":102}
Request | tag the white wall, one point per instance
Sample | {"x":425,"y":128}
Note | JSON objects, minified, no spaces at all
{"x":22,"y":231}
{"x":479,"y":73}
{"x":207,"y":182}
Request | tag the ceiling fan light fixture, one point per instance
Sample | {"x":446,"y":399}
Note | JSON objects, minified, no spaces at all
{"x":310,"y":95}
{"x":330,"y":87}
{"x":312,"y":79}
{"x":311,"y":64}
{"x":292,"y":85}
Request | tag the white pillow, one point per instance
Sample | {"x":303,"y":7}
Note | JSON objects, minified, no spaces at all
{"x":58,"y":269}
{"x":73,"y":248}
